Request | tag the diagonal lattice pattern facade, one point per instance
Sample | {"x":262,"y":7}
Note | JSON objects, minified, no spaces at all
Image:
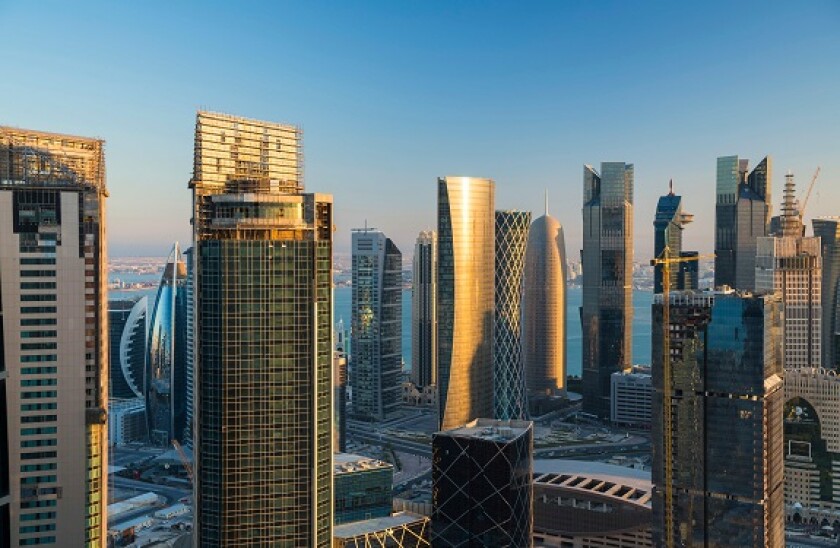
{"x":482,"y":485}
{"x":508,"y":372}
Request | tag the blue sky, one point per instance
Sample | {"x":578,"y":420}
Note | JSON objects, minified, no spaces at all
{"x":393,"y":94}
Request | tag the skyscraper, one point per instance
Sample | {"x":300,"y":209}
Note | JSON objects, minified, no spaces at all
{"x":828,"y":230}
{"x":465,"y":311}
{"x":726,"y":399}
{"x":508,"y":373}
{"x":53,"y":340}
{"x":607,"y":258}
{"x":482,"y":474}
{"x":166,"y":375}
{"x":263,"y":326}
{"x":376,"y":337}
{"x":424,"y":310}
{"x":544,"y":312}
{"x":128,"y":332}
{"x":791,"y":264}
{"x":668,"y":227}
{"x":189,"y":366}
{"x":742,"y":215}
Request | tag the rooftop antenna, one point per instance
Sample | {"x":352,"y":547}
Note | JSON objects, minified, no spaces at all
{"x":671,"y":187}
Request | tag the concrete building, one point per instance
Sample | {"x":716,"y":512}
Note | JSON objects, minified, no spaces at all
{"x":53,"y":340}
{"x":127,"y":422}
{"x":607,"y":257}
{"x":362,"y":488}
{"x":465,"y":311}
{"x":424,"y":311}
{"x":632,"y":397}
{"x":544,"y":313}
{"x":508,"y":372}
{"x":827,"y":229}
{"x":581,"y":504}
{"x":668,"y":226}
{"x":264,"y":349}
{"x":481,"y":473}
{"x":376,"y":336}
{"x":742,"y":215}
{"x":791,"y":264}
{"x":724,"y":455}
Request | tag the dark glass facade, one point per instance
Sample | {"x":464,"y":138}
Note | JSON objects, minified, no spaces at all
{"x":742,"y":215}
{"x":725,"y":399}
{"x":424,"y":310}
{"x":508,"y":371}
{"x":264,"y":351}
{"x":376,"y":337}
{"x":607,"y":258}
{"x":127,"y":328}
{"x":667,"y":232}
{"x":828,"y":230}
{"x":482,"y":477}
{"x":166,"y":375}
{"x":362,"y":488}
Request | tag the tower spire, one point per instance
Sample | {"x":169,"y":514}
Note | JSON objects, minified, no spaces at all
{"x":671,"y":187}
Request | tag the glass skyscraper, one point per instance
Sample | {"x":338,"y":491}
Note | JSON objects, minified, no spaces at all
{"x":128,"y":328}
{"x":53,"y":340}
{"x":508,"y":372}
{"x":668,"y":226}
{"x":466,"y":255}
{"x":742,"y":215}
{"x":424,"y":310}
{"x":263,"y":327}
{"x":726,"y":399}
{"x":376,"y":336}
{"x":544,"y":312}
{"x":607,"y":259}
{"x":828,"y":230}
{"x":166,"y":361}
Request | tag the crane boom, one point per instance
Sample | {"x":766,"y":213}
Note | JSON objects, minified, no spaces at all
{"x":184,"y":460}
{"x":808,"y":193}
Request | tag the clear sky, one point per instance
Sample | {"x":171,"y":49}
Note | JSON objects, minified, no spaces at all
{"x":393,"y":94}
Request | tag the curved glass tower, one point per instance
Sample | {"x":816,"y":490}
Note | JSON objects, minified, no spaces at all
{"x":129,"y":328}
{"x":466,"y":248}
{"x":509,"y":377}
{"x":166,"y":379}
{"x":544,"y":311}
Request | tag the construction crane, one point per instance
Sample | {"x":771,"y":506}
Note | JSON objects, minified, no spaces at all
{"x":808,"y":194}
{"x":665,"y":260}
{"x":184,"y":460}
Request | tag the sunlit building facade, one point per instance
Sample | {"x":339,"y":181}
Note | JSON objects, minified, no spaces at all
{"x":376,"y":336}
{"x":465,"y":311}
{"x":166,"y":361}
{"x":53,"y":340}
{"x":508,"y":372}
{"x":607,"y":257}
{"x":264,"y":351}
{"x":544,"y":312}
{"x":742,"y":215}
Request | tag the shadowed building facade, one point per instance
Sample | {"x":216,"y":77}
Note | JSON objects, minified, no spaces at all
{"x":726,"y":399}
{"x":424,"y":310}
{"x":607,"y":259}
{"x":544,"y":312}
{"x":508,"y":374}
{"x":742,"y":215}
{"x":466,"y":255}
{"x":376,"y":336}
{"x":482,"y":494}
{"x":667,"y":232}
{"x":264,"y":352}
{"x":128,"y":329}
{"x":828,"y":230}
{"x":53,"y":340}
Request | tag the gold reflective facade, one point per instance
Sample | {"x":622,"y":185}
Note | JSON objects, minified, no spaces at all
{"x":53,"y":340}
{"x":466,"y":301}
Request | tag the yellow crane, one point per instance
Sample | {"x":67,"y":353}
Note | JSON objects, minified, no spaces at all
{"x":665,"y":260}
{"x":808,"y":194}
{"x":184,"y":460}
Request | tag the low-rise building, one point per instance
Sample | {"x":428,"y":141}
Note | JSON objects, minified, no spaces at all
{"x":402,"y":530}
{"x":362,"y":488}
{"x":632,"y":396}
{"x":127,"y":421}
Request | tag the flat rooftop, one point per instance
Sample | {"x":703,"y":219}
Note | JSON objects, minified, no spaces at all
{"x":358,"y":528}
{"x":490,"y":430}
{"x":628,"y":484}
{"x":344,"y":463}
